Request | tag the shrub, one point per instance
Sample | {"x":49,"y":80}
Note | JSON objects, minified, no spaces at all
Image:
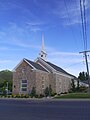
{"x":26,"y":96}
{"x":22,"y":96}
{"x":53,"y":94}
{"x":17,"y":96}
{"x":12,"y":95}
{"x":9,"y":96}
{"x":33,"y":92}
{"x":41,"y":96}
{"x":36,"y":96}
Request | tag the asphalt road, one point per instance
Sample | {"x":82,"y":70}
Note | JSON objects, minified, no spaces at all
{"x":44,"y":110}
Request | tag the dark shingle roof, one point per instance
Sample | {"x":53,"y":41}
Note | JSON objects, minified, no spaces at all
{"x":59,"y":69}
{"x":37,"y":66}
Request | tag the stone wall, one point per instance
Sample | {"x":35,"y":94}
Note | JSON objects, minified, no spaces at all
{"x":60,"y":83}
{"x":23,"y":72}
{"x":42,"y":81}
{"x":52,"y":82}
{"x":63,"y":83}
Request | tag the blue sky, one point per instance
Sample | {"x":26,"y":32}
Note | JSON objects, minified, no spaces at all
{"x":22,"y":23}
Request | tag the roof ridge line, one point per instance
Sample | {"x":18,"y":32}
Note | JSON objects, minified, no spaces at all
{"x":29,"y":63}
{"x":47,"y":64}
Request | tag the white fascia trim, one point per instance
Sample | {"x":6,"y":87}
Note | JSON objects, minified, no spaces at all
{"x":21,"y":63}
{"x":47,"y":65}
{"x":42,"y":71}
{"x":29,"y":64}
{"x":36,"y":60}
{"x":65,"y":75}
{"x":44,"y":68}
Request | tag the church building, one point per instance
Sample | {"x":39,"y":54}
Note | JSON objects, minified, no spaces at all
{"x":40,"y":74}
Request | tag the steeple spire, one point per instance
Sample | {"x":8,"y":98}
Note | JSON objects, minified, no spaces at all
{"x":42,"y":52}
{"x":43,"y":43}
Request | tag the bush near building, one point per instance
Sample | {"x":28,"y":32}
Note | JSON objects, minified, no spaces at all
{"x":6,"y":77}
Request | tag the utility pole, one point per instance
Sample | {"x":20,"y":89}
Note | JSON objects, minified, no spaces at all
{"x":86,"y":61}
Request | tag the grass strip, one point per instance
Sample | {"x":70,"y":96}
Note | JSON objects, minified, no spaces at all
{"x":74,"y":95}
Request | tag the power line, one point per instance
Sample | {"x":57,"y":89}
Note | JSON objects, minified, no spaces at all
{"x":69,"y":20}
{"x":83,"y":19}
{"x":74,"y":64}
{"x":85,"y":24}
{"x":77,"y":7}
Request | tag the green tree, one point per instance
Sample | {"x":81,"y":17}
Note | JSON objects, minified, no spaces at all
{"x":50,"y":90}
{"x":73,"y":86}
{"x":10,"y":86}
{"x":46,"y":91}
{"x":86,"y":76}
{"x":33,"y":92}
{"x":3,"y":87}
{"x":83,"y":76}
{"x":78,"y":86}
{"x":6,"y":77}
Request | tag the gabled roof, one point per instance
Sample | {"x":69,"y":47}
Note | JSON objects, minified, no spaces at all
{"x":56,"y":68}
{"x":59,"y":69}
{"x":35,"y":65}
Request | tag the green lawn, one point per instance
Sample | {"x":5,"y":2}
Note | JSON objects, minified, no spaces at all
{"x":75,"y":95}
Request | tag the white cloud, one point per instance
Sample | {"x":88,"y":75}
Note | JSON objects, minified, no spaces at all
{"x":17,"y":36}
{"x":5,"y":61}
{"x":35,"y":26}
{"x":69,"y":11}
{"x":8,"y":64}
{"x":32,"y":23}
{"x":35,"y":29}
{"x":65,"y":53}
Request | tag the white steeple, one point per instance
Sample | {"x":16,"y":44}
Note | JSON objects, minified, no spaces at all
{"x":42,"y":52}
